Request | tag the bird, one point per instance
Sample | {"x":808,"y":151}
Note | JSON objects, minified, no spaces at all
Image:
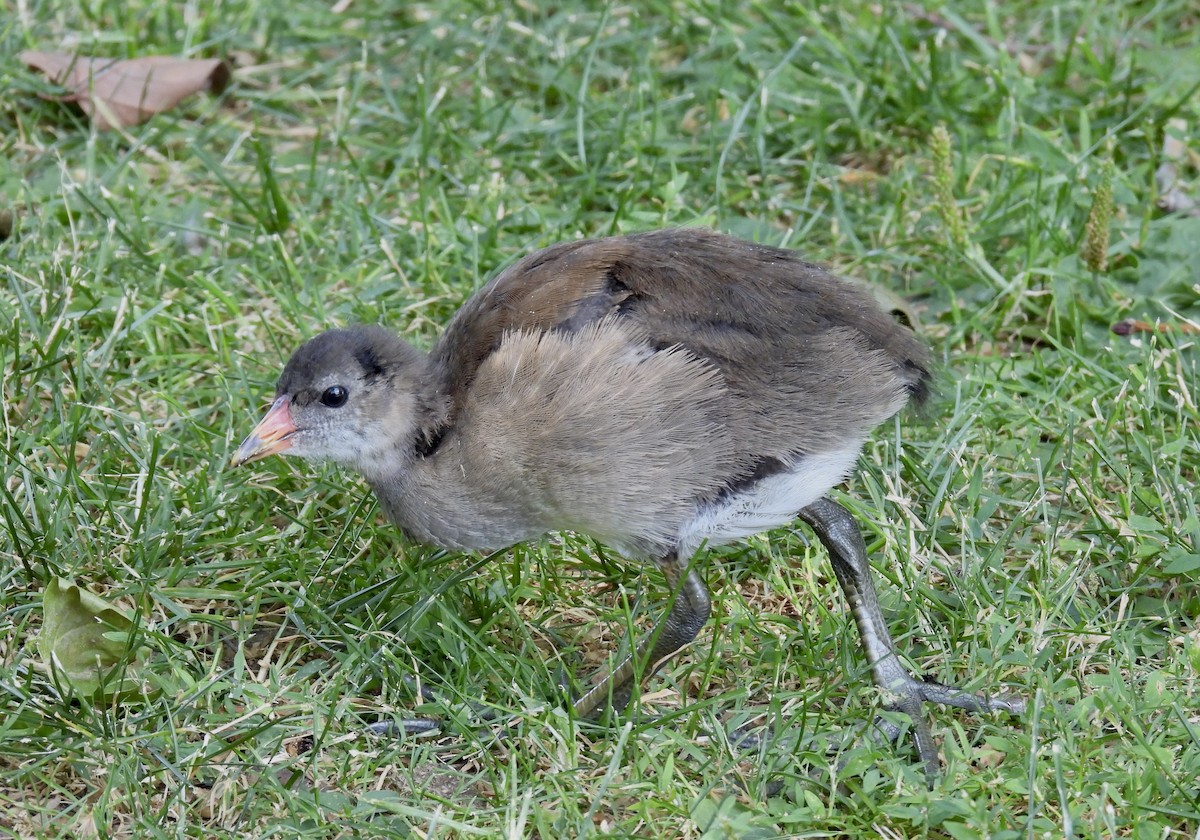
{"x":660,"y":392}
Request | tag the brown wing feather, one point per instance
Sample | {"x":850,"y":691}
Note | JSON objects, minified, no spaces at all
{"x":563,"y":284}
{"x":782,"y":331}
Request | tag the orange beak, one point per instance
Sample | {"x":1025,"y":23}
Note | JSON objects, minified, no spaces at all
{"x":271,"y":436}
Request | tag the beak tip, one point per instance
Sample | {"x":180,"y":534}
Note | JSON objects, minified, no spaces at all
{"x":252,"y":449}
{"x":271,"y":436}
{"x":242,"y":456}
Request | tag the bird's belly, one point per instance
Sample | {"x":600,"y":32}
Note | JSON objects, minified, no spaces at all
{"x":769,"y":502}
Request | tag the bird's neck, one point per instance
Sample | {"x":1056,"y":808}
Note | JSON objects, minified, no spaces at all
{"x":407,"y":422}
{"x":440,"y":499}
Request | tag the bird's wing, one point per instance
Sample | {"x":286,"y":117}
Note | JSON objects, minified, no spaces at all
{"x":561,"y":288}
{"x":765,"y":318}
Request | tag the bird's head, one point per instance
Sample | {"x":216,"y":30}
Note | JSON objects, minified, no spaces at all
{"x":350,"y":396}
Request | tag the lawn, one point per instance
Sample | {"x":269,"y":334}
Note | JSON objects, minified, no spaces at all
{"x":1002,"y":169}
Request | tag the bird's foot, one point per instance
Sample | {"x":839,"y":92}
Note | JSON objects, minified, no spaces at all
{"x":404,"y":726}
{"x":907,"y":697}
{"x":908,"y":694}
{"x":481,"y":715}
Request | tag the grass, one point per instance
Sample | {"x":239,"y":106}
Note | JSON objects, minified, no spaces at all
{"x":1035,"y":531}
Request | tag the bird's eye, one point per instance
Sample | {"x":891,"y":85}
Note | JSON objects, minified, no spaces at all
{"x":334,"y":396}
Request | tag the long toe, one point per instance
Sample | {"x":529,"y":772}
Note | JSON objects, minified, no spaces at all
{"x":406,"y":726}
{"x":909,"y":697}
{"x":947,"y":695}
{"x":480,"y":715}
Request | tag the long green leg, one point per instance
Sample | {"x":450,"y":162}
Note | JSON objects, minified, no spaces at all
{"x":839,"y":533}
{"x":687,"y":616}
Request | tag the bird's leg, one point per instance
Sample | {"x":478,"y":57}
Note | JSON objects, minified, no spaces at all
{"x":687,"y":616}
{"x":839,"y":533}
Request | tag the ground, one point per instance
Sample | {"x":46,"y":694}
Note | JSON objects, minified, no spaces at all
{"x":1021,"y":176}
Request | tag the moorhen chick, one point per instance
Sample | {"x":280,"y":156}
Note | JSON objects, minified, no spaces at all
{"x":657,"y":392}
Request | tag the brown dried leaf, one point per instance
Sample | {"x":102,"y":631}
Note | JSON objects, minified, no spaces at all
{"x":1130,"y":326}
{"x":125,"y":92}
